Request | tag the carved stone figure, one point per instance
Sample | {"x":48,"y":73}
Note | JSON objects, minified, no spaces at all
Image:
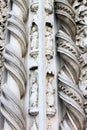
{"x":49,"y":42}
{"x":34,"y":97}
{"x":34,"y":41}
{"x":50,"y":98}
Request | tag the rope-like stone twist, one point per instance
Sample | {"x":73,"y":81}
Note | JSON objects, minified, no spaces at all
{"x":14,"y":88}
{"x":68,"y":76}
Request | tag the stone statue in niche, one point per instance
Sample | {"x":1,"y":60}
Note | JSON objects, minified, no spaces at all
{"x":50,"y":98}
{"x":49,"y":42}
{"x":49,"y":6}
{"x":34,"y":5}
{"x":34,"y":97}
{"x":34,"y":41}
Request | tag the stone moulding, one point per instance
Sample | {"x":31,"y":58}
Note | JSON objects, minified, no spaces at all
{"x":14,"y":87}
{"x":64,"y":11}
{"x":68,"y":76}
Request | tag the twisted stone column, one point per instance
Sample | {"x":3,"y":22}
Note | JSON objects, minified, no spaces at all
{"x":68,"y":76}
{"x":14,"y":88}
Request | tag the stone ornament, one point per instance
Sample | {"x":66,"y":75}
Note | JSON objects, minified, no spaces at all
{"x":34,"y":41}
{"x":68,"y":77}
{"x":49,"y":42}
{"x":14,"y":87}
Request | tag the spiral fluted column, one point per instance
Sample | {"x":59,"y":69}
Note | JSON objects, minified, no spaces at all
{"x":14,"y":88}
{"x":68,"y":76}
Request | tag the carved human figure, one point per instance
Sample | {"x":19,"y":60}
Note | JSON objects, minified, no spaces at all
{"x":34,"y":37}
{"x":49,"y":39}
{"x":49,"y":42}
{"x":50,"y":93}
{"x":34,"y":93}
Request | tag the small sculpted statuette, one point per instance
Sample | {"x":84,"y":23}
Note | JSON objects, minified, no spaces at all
{"x":34,"y":97}
{"x":50,"y":98}
{"x":49,"y":43}
{"x":34,"y":41}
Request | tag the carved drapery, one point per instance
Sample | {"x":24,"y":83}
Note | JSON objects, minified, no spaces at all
{"x":14,"y":87}
{"x":68,"y":76}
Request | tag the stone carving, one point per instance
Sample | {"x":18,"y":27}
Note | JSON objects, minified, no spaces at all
{"x":34,"y":40}
{"x":3,"y":18}
{"x":34,"y":96}
{"x":49,"y":6}
{"x":14,"y":87}
{"x":81,"y":21}
{"x":50,"y":94}
{"x":34,"y":5}
{"x":81,"y":12}
{"x":49,"y":42}
{"x":68,"y":76}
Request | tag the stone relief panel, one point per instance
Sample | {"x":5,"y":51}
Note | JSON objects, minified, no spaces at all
{"x":68,"y":77}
